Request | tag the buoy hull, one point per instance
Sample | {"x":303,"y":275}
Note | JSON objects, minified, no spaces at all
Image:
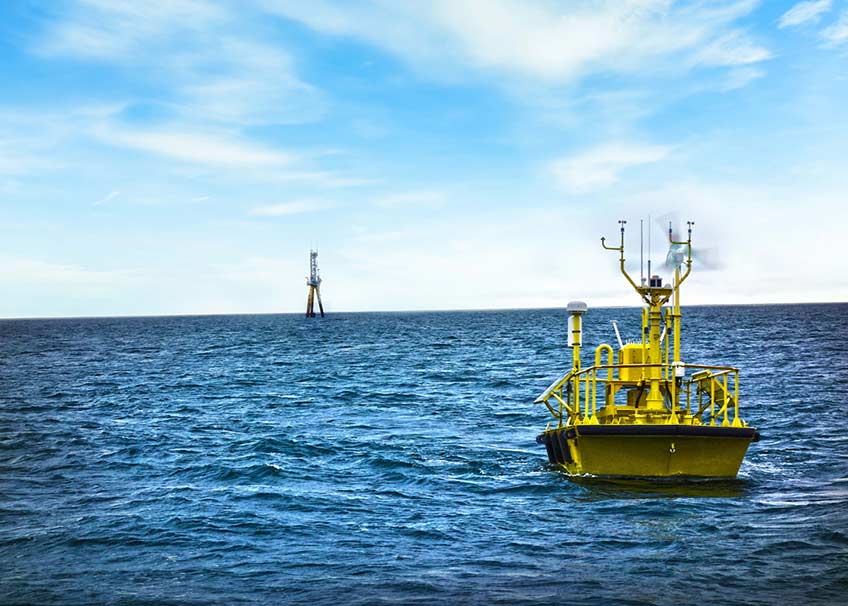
{"x":649,"y":451}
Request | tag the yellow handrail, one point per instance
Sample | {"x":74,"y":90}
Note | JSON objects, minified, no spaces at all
{"x":603,"y":347}
{"x":709,"y":380}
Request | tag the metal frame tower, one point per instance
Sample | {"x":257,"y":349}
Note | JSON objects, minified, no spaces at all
{"x":314,"y":283}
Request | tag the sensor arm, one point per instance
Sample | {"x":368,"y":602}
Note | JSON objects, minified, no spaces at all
{"x":620,"y":249}
{"x":688,"y":243}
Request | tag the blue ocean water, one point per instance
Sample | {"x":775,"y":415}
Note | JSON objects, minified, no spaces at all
{"x":390,"y":459}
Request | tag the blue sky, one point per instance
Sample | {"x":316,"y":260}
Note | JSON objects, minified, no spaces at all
{"x":183,"y":157}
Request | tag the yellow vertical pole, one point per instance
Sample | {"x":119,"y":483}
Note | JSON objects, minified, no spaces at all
{"x":736,"y":421}
{"x":726,"y":398}
{"x":670,"y":379}
{"x":675,"y":325}
{"x":594,"y":392}
{"x":654,"y":401}
{"x":712,"y":401}
{"x":666,"y":368}
{"x":608,"y":383}
{"x":559,"y":424}
{"x":675,"y":330}
{"x":576,"y":390}
{"x":644,"y":345}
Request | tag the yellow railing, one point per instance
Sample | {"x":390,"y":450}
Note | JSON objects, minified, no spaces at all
{"x":713,"y":388}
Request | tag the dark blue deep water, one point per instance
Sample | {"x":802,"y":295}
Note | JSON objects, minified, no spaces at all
{"x":390,"y":459}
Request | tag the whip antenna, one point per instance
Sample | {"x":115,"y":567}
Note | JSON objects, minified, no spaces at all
{"x":641,"y":252}
{"x":618,"y":334}
{"x":649,"y":247}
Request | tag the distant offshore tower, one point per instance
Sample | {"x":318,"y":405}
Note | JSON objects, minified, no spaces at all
{"x":314,"y":283}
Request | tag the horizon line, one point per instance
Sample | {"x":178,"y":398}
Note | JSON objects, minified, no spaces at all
{"x":393,"y":311}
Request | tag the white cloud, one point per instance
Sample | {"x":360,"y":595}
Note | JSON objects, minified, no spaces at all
{"x":100,"y":29}
{"x":15,"y":164}
{"x":294,"y":207}
{"x":601,"y":167}
{"x":554,"y":42}
{"x":411,"y":198}
{"x":741,"y":77}
{"x":323,"y":178}
{"x":732,"y":49}
{"x":199,"y":148}
{"x":106,"y":199}
{"x":838,"y":32}
{"x":216,"y":67}
{"x":39,"y":142}
{"x":19,"y":271}
{"x":804,"y":12}
{"x":22,"y":155}
{"x":251,"y":83}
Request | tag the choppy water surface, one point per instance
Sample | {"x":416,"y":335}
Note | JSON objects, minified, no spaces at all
{"x":390,"y":458}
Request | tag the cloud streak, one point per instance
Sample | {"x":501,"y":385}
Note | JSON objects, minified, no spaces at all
{"x":732,"y":49}
{"x":601,"y":167}
{"x":295,"y":207}
{"x":199,"y":148}
{"x":837,"y":33}
{"x":112,"y":31}
{"x":218,"y":70}
{"x":411,"y":198}
{"x":106,"y":199}
{"x":47,"y":273}
{"x":550,"y":42}
{"x":804,"y":12}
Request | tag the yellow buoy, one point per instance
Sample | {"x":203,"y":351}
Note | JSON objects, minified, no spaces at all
{"x":642,"y":416}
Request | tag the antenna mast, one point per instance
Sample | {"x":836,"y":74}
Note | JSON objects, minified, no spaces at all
{"x":655,"y":295}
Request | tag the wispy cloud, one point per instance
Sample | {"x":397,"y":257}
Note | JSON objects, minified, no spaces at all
{"x":216,"y":66}
{"x":252,"y":83}
{"x":16,"y":270}
{"x":199,"y":148}
{"x":548,"y":42}
{"x":12,"y":163}
{"x":295,"y":207}
{"x":732,"y":49}
{"x":41,"y":142}
{"x":217,"y":81}
{"x":99,"y":29}
{"x":741,"y":77}
{"x":838,"y":32}
{"x":411,"y":198}
{"x":804,"y":12}
{"x":106,"y":199}
{"x":601,"y":167}
{"x":22,"y":155}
